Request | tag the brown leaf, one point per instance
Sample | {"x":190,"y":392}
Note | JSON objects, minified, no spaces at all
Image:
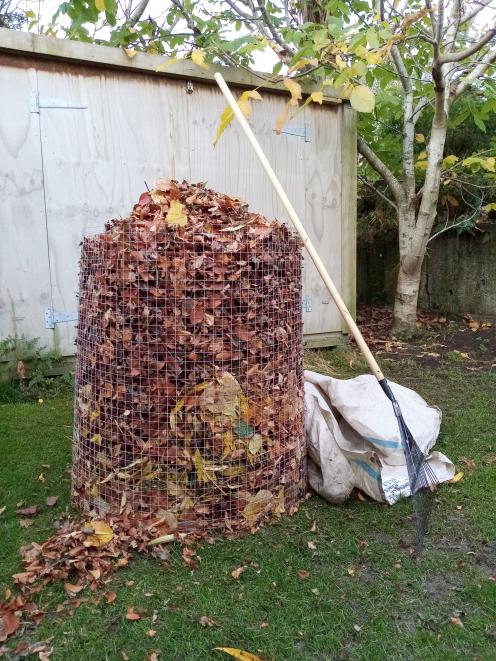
{"x":151,"y":633}
{"x":131,"y":615}
{"x":73,"y":588}
{"x":51,"y":500}
{"x":311,"y":545}
{"x":236,"y":573}
{"x":25,"y":523}
{"x":469,"y":463}
{"x":303,"y":574}
{"x":9,"y":622}
{"x":28,"y":511}
{"x":207,"y":621}
{"x":110,"y":597}
{"x":456,"y":621}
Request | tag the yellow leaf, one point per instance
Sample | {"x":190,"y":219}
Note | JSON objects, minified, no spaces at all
{"x":362,"y":99}
{"x":228,"y":115}
{"x":490,"y":207}
{"x":130,"y":52}
{"x":294,"y":89}
{"x":456,"y":478}
{"x":282,"y":119}
{"x":239,"y":654}
{"x":305,"y":61}
{"x":199,"y":466}
{"x":317,"y":97}
{"x":256,"y":506}
{"x":340,"y":63}
{"x":255,"y":444}
{"x":489,"y":164}
{"x":419,"y":137}
{"x":373,"y":58}
{"x":96,"y":438}
{"x":244,"y":101}
{"x":102,"y":534}
{"x":100,"y":5}
{"x":422,"y":155}
{"x":176,"y":215}
{"x":162,"y":66}
{"x":225,"y":119}
{"x":178,"y":406}
{"x":198,"y":58}
{"x":421,"y":165}
{"x":450,"y":160}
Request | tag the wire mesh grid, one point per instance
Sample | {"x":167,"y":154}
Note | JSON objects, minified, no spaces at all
{"x":189,"y":377}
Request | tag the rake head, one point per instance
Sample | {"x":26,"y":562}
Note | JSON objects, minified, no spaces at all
{"x":421,"y":476}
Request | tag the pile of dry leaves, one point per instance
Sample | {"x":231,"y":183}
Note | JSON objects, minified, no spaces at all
{"x":189,"y":384}
{"x":83,"y":554}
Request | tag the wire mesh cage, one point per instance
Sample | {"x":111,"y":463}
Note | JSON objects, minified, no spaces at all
{"x":189,"y":377}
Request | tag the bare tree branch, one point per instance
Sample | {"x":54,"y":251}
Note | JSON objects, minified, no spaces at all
{"x":476,"y":73}
{"x":270,"y":26}
{"x":189,"y":20}
{"x":481,"y":5}
{"x":381,"y":168}
{"x":377,"y":191}
{"x":138,"y":12}
{"x":457,"y":56}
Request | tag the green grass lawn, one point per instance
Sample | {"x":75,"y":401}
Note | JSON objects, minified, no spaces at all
{"x":364,"y":598}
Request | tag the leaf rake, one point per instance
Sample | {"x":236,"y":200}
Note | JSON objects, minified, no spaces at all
{"x":421,"y":477}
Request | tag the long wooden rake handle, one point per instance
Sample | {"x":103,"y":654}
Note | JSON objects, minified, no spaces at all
{"x":341,"y":305}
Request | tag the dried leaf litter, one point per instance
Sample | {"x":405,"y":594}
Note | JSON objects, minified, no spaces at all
{"x":189,"y":381}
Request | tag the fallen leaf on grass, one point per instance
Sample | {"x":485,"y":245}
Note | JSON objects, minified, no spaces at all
{"x":2,"y":509}
{"x":303,"y":574}
{"x":151,"y":633}
{"x":351,"y":571}
{"x":9,"y":622}
{"x":124,"y":655}
{"x":154,"y":656}
{"x":469,"y":463}
{"x":236,"y":573}
{"x":41,"y":477}
{"x":456,"y":621}
{"x":456,"y":478}
{"x":110,"y":597}
{"x":264,"y":625}
{"x":131,"y":615}
{"x":312,"y":546}
{"x":207,"y":622}
{"x":28,"y":511}
{"x":72,"y":588}
{"x":51,"y":500}
{"x":239,"y":654}
{"x":25,"y":523}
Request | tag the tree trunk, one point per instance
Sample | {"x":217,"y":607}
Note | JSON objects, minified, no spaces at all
{"x":406,"y":298}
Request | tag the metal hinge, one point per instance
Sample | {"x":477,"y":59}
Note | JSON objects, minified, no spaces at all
{"x":300,"y":131}
{"x":37,"y":102}
{"x":306,"y":303}
{"x":52,"y":317}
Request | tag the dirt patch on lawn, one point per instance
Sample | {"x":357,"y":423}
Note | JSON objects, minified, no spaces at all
{"x":438,"y":339}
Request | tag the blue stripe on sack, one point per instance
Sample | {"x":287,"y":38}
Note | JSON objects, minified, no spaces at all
{"x":384,"y":444}
{"x":368,"y":469}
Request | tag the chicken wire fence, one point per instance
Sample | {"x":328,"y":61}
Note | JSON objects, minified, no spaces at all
{"x":189,"y":376}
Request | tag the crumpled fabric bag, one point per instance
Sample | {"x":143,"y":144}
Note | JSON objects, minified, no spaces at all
{"x":353,"y":439}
